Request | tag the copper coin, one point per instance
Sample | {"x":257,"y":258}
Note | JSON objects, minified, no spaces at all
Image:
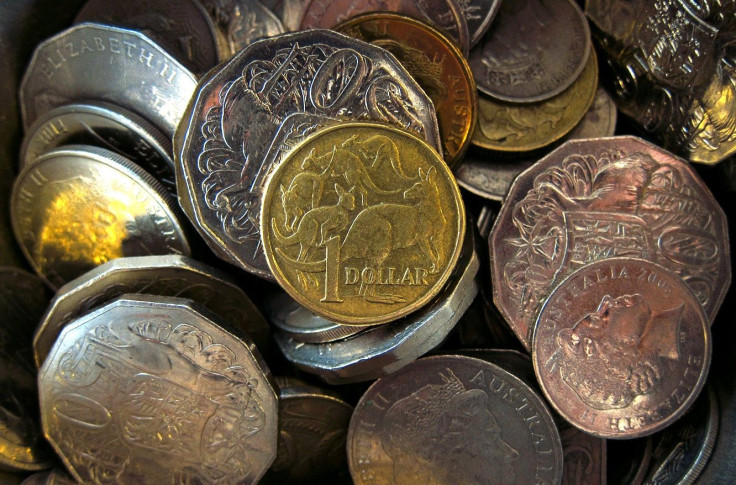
{"x":437,"y":66}
{"x":445,"y":15}
{"x":600,"y":198}
{"x":621,"y":348}
{"x":450,"y":420}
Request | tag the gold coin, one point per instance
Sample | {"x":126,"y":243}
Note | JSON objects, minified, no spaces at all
{"x":362,"y":223}
{"x":521,"y":127}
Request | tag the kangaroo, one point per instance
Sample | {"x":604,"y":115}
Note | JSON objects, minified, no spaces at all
{"x":348,"y":166}
{"x":396,"y":226}
{"x":378,"y":149}
{"x":305,"y":190}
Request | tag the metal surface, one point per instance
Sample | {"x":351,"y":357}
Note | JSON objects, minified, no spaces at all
{"x":478,"y":14}
{"x":242,"y":22}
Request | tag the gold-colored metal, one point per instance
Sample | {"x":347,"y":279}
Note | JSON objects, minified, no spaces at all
{"x":362,"y":223}
{"x":521,"y":127}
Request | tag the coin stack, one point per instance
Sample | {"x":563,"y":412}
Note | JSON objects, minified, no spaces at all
{"x":301,"y":241}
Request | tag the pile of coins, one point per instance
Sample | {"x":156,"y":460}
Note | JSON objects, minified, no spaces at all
{"x":302,"y":241}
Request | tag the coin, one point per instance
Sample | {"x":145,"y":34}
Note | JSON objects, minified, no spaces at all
{"x":438,"y":67}
{"x":137,"y":75}
{"x":166,"y":275}
{"x":77,"y":207}
{"x":490,"y":179}
{"x":272,"y":95}
{"x":534,"y":50}
{"x":621,"y":348}
{"x":600,"y":120}
{"x":383,"y":236}
{"x":289,"y":11}
{"x":445,"y":15}
{"x":452,"y":419}
{"x":153,"y":387}
{"x":107,"y":126}
{"x":513,"y":127}
{"x":55,"y":476}
{"x":584,"y":458}
{"x":478,"y":14}
{"x":242,"y":21}
{"x":594,"y":199}
{"x":182,"y":28}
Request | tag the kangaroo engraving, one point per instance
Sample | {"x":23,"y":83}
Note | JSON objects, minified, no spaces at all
{"x":305,"y":190}
{"x":378,"y":149}
{"x":348,"y":166}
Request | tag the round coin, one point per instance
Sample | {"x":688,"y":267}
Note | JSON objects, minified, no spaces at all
{"x":517,"y":127}
{"x":107,"y":126}
{"x":130,"y":70}
{"x":594,"y":199}
{"x":534,"y":50}
{"x":600,"y":120}
{"x":478,"y":14}
{"x":77,"y":207}
{"x":437,"y":65}
{"x":446,"y":15}
{"x":248,"y":113}
{"x":182,"y":28}
{"x":243,"y":21}
{"x":449,"y":420}
{"x":153,"y":387}
{"x":621,"y":348}
{"x":384,"y":234}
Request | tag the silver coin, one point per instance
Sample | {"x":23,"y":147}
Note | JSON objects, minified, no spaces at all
{"x":153,"y":387}
{"x":242,"y":21}
{"x":107,"y":126}
{"x":99,"y":62}
{"x":534,"y":50}
{"x":386,"y":348}
{"x":79,"y":206}
{"x":166,"y":275}
{"x":297,"y":322}
{"x":289,"y":11}
{"x":248,"y":113}
{"x":599,"y":121}
{"x":478,"y":14}
{"x":489,"y":179}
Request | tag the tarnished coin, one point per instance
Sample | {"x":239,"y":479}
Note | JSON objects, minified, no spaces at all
{"x":379,"y":240}
{"x":167,"y":275}
{"x":107,"y":126}
{"x":153,"y":389}
{"x":621,"y":348}
{"x":182,"y":28}
{"x":438,"y":66}
{"x":446,"y":15}
{"x":595,"y":199}
{"x":55,"y":476}
{"x":77,"y":207}
{"x":450,"y":420}
{"x":522,"y":127}
{"x":268,"y":98}
{"x":289,"y":11}
{"x":313,"y":427}
{"x":130,"y":70}
{"x":584,"y":457}
{"x":534,"y":50}
{"x":600,"y":120}
{"x":242,"y":21}
{"x":490,"y":179}
{"x":478,"y":14}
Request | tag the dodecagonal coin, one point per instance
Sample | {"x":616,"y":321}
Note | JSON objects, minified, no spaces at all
{"x":248,"y":113}
{"x":453,"y":419}
{"x":107,"y":126}
{"x":595,"y":199}
{"x":130,"y":70}
{"x":78,"y":206}
{"x":534,"y":50}
{"x":151,"y":389}
{"x":621,"y":348}
{"x":165,"y":275}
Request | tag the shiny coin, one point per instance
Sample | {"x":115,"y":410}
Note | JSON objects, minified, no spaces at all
{"x":152,"y":387}
{"x":438,"y":67}
{"x":621,"y":348}
{"x":478,"y":14}
{"x":252,"y":110}
{"x":382,"y":237}
{"x":130,"y":70}
{"x":242,"y":21}
{"x":517,"y":127}
{"x":533,"y":51}
{"x":449,"y":420}
{"x":446,"y":15}
{"x":77,"y":207}
{"x":595,"y":199}
{"x":182,"y":28}
{"x":107,"y":126}
{"x":168,"y":275}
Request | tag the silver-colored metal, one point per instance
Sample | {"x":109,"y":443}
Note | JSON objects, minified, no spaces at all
{"x":299,"y":323}
{"x":153,"y":387}
{"x":242,"y":21}
{"x":166,"y":275}
{"x":100,"y":62}
{"x":384,"y":349}
{"x":289,"y":11}
{"x":479,"y":15}
{"x":80,"y":206}
{"x":248,"y":113}
{"x":107,"y":126}
{"x":489,"y":179}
